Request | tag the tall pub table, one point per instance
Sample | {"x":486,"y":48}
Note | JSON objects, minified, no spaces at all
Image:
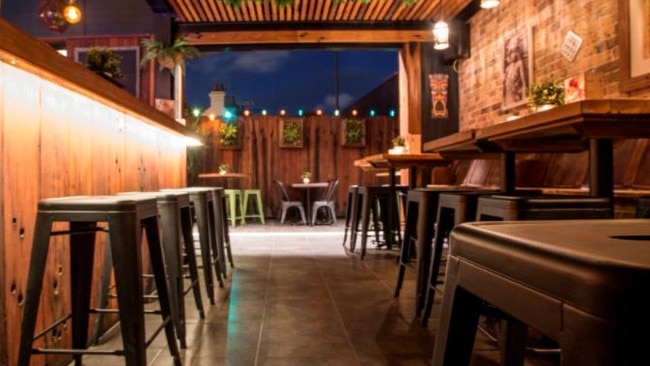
{"x":417,"y":162}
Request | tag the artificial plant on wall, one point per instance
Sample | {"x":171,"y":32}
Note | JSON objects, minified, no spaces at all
{"x":291,"y":132}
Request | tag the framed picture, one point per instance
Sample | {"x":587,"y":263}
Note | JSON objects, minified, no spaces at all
{"x":291,"y":132}
{"x":130,"y":65}
{"x":517,"y":67}
{"x":353,"y":132}
{"x":635,"y":44}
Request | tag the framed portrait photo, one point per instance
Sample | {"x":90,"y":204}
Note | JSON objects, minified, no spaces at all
{"x":635,"y":44}
{"x":517,"y":67}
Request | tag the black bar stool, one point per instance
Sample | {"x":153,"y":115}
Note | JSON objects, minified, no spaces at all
{"x":221,"y":224}
{"x":203,"y":204}
{"x":351,"y":213}
{"x":176,"y":221}
{"x":371,"y":198}
{"x":126,"y":217}
{"x":528,"y":205}
{"x":421,"y":206}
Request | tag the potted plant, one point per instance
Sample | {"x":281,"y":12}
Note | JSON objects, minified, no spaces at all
{"x":229,"y":135}
{"x":168,"y":56}
{"x":104,"y":62}
{"x":398,"y":145}
{"x":546,"y":94}
{"x":305,"y":176}
{"x":223,"y":168}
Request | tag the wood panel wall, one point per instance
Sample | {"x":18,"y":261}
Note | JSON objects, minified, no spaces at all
{"x":322,"y":154}
{"x":54,"y":143}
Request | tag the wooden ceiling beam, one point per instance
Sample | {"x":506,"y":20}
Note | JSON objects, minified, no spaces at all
{"x":243,"y":37}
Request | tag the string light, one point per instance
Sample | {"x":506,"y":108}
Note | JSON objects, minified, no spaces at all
{"x":300,"y":112}
{"x":247,"y":112}
{"x":354,"y":112}
{"x":372,"y":113}
{"x":337,"y":112}
{"x":319,"y":112}
{"x":264,"y":112}
{"x":282,"y":112}
{"x":72,"y":13}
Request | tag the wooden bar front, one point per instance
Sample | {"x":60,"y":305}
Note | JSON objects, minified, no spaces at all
{"x":66,"y":131}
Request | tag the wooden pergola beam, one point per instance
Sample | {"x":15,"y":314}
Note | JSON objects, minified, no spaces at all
{"x":210,"y":38}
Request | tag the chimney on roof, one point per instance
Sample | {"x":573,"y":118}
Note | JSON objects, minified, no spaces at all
{"x":217,"y":101}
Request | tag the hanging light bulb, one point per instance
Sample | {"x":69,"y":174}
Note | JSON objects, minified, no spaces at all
{"x":50,"y":13}
{"x":440,"y":35}
{"x":489,"y":4}
{"x":72,"y":13}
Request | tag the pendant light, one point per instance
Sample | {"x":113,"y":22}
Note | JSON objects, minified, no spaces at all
{"x":440,"y":35}
{"x":72,"y":13}
{"x":489,"y":4}
{"x":50,"y":13}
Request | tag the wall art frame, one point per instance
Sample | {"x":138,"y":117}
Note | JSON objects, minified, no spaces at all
{"x":517,"y":63}
{"x":634,"y":16}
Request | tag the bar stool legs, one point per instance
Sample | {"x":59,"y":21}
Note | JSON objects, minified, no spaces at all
{"x":351,"y":216}
{"x":126,"y":218}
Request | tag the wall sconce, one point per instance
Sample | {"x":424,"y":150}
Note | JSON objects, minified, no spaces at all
{"x":72,"y":13}
{"x":440,"y":35}
{"x":489,"y":4}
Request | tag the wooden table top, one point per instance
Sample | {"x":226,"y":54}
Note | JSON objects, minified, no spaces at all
{"x":566,"y":128}
{"x":227,"y":175}
{"x":310,"y":185}
{"x":399,"y":161}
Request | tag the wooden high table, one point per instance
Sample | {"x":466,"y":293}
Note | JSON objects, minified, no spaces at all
{"x":393,"y":162}
{"x":586,"y":125}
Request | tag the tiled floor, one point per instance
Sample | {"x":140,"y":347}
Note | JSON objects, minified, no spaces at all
{"x":297,"y":297}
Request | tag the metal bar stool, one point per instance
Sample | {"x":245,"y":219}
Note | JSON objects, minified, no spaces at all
{"x":526,"y":206}
{"x":203,"y":206}
{"x":351,"y":213}
{"x":258,"y":212}
{"x":221,"y":224}
{"x":235,"y":206}
{"x":371,"y":198}
{"x":583,"y":283}
{"x":126,"y":217}
{"x":176,"y":221}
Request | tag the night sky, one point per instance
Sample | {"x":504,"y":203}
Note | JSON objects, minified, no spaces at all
{"x":290,"y":80}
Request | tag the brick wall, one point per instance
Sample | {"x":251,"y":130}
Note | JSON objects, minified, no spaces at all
{"x":547,"y":22}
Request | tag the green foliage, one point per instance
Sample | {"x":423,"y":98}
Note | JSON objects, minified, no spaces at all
{"x":104,"y":60}
{"x":305,"y":175}
{"x":548,"y":92}
{"x":398,"y":141}
{"x":290,"y":133}
{"x":224,"y":167}
{"x":228,"y":134}
{"x":353,"y":130}
{"x":168,"y":56}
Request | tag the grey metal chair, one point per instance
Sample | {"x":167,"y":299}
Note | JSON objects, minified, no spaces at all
{"x":286,"y":203}
{"x":327,"y":202}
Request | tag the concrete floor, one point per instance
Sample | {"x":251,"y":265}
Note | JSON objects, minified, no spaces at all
{"x":297,"y":297}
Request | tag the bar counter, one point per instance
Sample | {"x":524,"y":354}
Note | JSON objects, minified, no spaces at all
{"x":67,"y":131}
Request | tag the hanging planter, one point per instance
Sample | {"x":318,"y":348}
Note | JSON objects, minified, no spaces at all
{"x":168,"y":56}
